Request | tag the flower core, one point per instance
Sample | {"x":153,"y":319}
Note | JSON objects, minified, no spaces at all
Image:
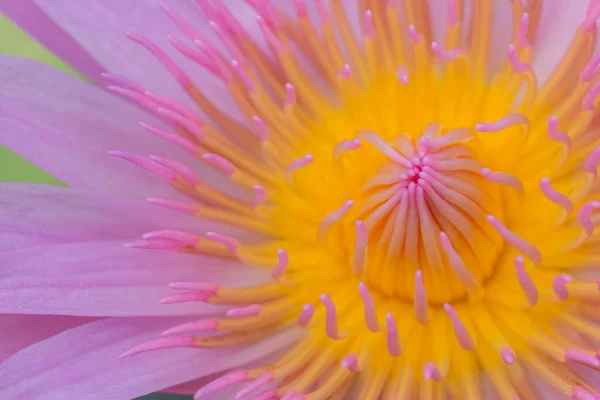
{"x":428,"y":218}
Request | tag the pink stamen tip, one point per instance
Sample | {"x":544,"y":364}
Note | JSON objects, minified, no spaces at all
{"x":263,"y":130}
{"x":446,"y":55}
{"x":331,"y":323}
{"x":174,"y":205}
{"x":517,"y":242}
{"x":590,"y":97}
{"x":554,"y":196}
{"x":201,"y":59}
{"x":308,"y":310}
{"x":268,"y":34}
{"x":523,"y":31}
{"x":451,"y":137}
{"x":458,"y":265}
{"x":172,"y":137}
{"x":290,"y":95}
{"x":187,"y":297}
{"x":360,"y":249}
{"x":592,"y":162}
{"x":138,"y":98}
{"x":228,"y":20}
{"x":420,"y":299}
{"x":462,"y":335}
{"x":156,"y":245}
{"x":345,"y":72}
{"x":582,"y":357}
{"x":282,"y":263}
{"x":191,"y":327}
{"x":593,"y":13}
{"x":301,"y":9}
{"x":344,"y":146}
{"x":221,"y":383}
{"x":333,"y":217}
{"x":123,"y":82}
{"x":174,"y":105}
{"x":230,"y":45}
{"x":502,"y":179}
{"x":369,"y":28}
{"x":147,"y":164}
{"x":227,"y":241}
{"x":452,"y":13}
{"x":502,"y":123}
{"x":555,"y":134}
{"x":402,"y":75}
{"x":177,"y":167}
{"x":197,"y":286}
{"x":257,"y":384}
{"x":221,"y":163}
{"x":221,"y":67}
{"x":369,"y":306}
{"x":252,"y":310}
{"x":391,"y":336}
{"x":516,"y":64}
{"x":384,"y":147}
{"x":169,"y":234}
{"x":584,"y":214}
{"x":350,"y":362}
{"x":260,"y":196}
{"x":297,"y":164}
{"x":526,"y":282}
{"x":590,"y":68}
{"x":579,"y":393}
{"x":431,"y":372}
{"x":244,"y":77}
{"x":414,"y":36}
{"x":177,"y":119}
{"x":508,"y":356}
{"x":160,"y":343}
{"x":559,"y":285}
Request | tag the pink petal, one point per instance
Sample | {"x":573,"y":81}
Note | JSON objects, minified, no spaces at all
{"x":20,"y":331}
{"x":33,"y":215}
{"x":82,"y":362}
{"x":67,"y":127}
{"x":107,"y":279}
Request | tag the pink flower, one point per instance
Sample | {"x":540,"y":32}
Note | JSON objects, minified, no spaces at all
{"x":401,"y":192}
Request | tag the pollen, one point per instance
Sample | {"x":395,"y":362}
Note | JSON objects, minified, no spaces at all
{"x":428,"y":219}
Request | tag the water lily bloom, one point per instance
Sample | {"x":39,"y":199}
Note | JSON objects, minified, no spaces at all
{"x":304,"y":200}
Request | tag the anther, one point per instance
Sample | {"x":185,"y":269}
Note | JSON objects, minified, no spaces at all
{"x":244,"y":77}
{"x":332,"y":218}
{"x":584,"y":214}
{"x":308,"y":310}
{"x":459,"y":267}
{"x":391,"y":335}
{"x":454,"y":136}
{"x":177,"y":167}
{"x":369,"y":28}
{"x":263,"y":130}
{"x":369,"y":306}
{"x":555,"y":197}
{"x":192,"y":327}
{"x":529,"y":250}
{"x":360,"y":248}
{"x":231,"y":244}
{"x":421,"y":312}
{"x":462,"y":335}
{"x":502,"y":179}
{"x":508,"y":356}
{"x":526,"y":282}
{"x":452,"y":16}
{"x":221,"y":163}
{"x":174,"y":205}
{"x":503,"y":123}
{"x":331,"y":323}
{"x":268,"y":34}
{"x":430,"y":371}
{"x":350,"y":362}
{"x":515,"y":63}
{"x":186,"y":297}
{"x":402,"y":75}
{"x":590,"y":97}
{"x":177,"y":119}
{"x":296,"y":165}
{"x":260,"y":196}
{"x":522,"y":31}
{"x":556,"y":134}
{"x":590,"y":68}
{"x":282,"y":263}
{"x":380,"y":144}
{"x":414,"y":36}
{"x":592,"y":162}
{"x":160,"y":343}
{"x":177,"y":236}
{"x":221,"y":383}
{"x":344,"y":146}
{"x":582,"y":357}
{"x":146,"y":163}
{"x":257,"y":384}
{"x":290,"y":95}
{"x":345,"y":72}
{"x":252,"y":310}
{"x":231,"y":47}
{"x":559,"y":285}
{"x":446,"y":55}
{"x":172,"y":137}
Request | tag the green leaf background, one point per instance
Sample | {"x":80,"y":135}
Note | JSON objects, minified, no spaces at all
{"x":14,"y":168}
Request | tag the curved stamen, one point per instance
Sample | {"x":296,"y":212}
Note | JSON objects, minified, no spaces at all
{"x":446,"y":55}
{"x":344,"y":146}
{"x":147,"y":164}
{"x":522,"y":31}
{"x":360,"y":249}
{"x":160,"y":343}
{"x":282,"y":262}
{"x":331,"y":322}
{"x":369,"y":306}
{"x":260,"y":196}
{"x":263,"y":130}
{"x":384,"y":147}
{"x":191,"y":327}
{"x":556,"y":134}
{"x":459,"y":267}
{"x":508,"y":356}
{"x":430,"y":371}
{"x":350,"y":362}
{"x":229,"y":242}
{"x":296,"y":165}
{"x":582,"y":357}
{"x":464,"y":337}
{"x":526,"y":282}
{"x":169,"y":234}
{"x":402,"y":75}
{"x":559,"y":285}
{"x":186,"y":297}
{"x":257,"y":384}
{"x":290,"y":95}
{"x":369,"y":28}
{"x":345,"y":72}
{"x":421,"y":312}
{"x":517,"y":242}
{"x":584,"y":214}
{"x":172,"y":137}
{"x":554,"y":196}
{"x":503,"y":123}
{"x":592,"y":162}
{"x":252,"y":310}
{"x":221,"y":163}
{"x":590,"y":97}
{"x":414,"y":36}
{"x":392,"y":339}
{"x":308,"y":310}
{"x":515,"y":63}
{"x":221,"y":383}
{"x":332,"y":218}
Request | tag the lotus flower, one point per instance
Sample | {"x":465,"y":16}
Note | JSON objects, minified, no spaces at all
{"x":304,"y":200}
